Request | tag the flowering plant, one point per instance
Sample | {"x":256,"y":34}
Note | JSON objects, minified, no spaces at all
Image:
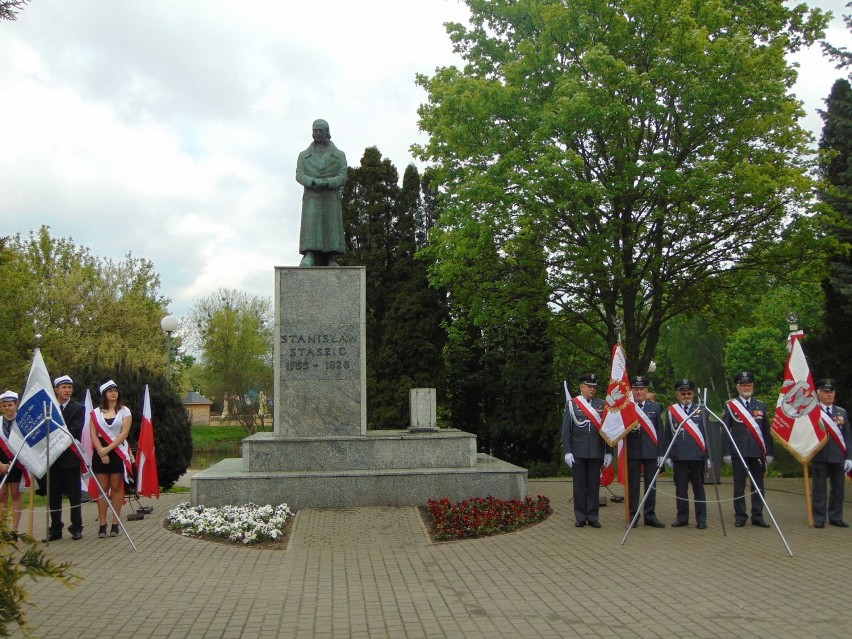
{"x":480,"y":517}
{"x":248,"y":524}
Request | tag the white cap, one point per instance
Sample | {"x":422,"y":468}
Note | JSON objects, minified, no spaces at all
{"x":9,"y":396}
{"x":64,"y":379}
{"x":107,"y":385}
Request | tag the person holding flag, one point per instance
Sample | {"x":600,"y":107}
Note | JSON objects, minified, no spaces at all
{"x":833,"y":460}
{"x":688,"y":454}
{"x":109,"y":428}
{"x":65,"y":470}
{"x":643,"y":451}
{"x":585,"y":450}
{"x":14,"y":474}
{"x":747,"y":420}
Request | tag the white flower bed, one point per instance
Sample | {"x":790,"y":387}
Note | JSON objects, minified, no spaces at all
{"x":249,"y":524}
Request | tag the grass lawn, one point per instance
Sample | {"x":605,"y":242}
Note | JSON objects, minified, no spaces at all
{"x":222,"y":439}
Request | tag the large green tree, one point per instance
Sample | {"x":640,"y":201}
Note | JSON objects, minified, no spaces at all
{"x":651,"y":146}
{"x":89,"y":310}
{"x":232,"y":332}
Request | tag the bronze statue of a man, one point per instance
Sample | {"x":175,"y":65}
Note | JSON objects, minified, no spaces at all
{"x":321,"y":169}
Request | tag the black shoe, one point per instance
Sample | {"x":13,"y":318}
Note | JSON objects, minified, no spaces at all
{"x":701,"y":525}
{"x":113,"y":531}
{"x":656,"y":523}
{"x":635,"y":524}
{"x":839,"y":522}
{"x":760,"y":523}
{"x":739,"y":523}
{"x":680,"y":524}
{"x":595,"y":524}
{"x":53,"y":537}
{"x":77,"y":535}
{"x":102,"y":531}
{"x":580,"y":524}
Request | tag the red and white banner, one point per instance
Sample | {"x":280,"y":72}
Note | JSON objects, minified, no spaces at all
{"x":583,"y":404}
{"x":689,"y":426}
{"x":796,"y":424}
{"x":620,"y":410}
{"x":148,"y":482}
{"x":89,"y":483}
{"x":739,"y":411}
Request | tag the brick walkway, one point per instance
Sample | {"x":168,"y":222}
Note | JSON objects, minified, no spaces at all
{"x":372,"y":572}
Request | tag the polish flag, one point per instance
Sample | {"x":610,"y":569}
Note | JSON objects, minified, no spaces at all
{"x":87,"y":480}
{"x":148,"y":482}
{"x":796,"y":425}
{"x":620,"y":410}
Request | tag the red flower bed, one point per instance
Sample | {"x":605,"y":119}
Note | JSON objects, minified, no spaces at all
{"x":482,"y":517}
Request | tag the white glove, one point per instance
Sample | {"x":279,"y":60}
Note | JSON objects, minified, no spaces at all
{"x":769,"y":459}
{"x":726,"y":459}
{"x":569,"y":459}
{"x":709,"y":465}
{"x":847,"y":465}
{"x":607,"y":459}
{"x":659,"y":462}
{"x":669,"y":463}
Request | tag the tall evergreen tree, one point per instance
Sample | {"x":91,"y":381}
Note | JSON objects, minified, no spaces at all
{"x":832,"y":353}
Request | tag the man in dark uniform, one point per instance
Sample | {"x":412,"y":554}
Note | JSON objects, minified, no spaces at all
{"x":831,"y":462}
{"x":748,"y":422}
{"x":585,"y":450}
{"x":65,"y":471}
{"x":644,"y":452}
{"x":688,"y":454}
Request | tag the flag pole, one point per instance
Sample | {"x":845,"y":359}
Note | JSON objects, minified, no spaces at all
{"x":808,"y":496}
{"x":702,"y":403}
{"x":626,"y":480}
{"x":32,"y":504}
{"x":48,"y":418}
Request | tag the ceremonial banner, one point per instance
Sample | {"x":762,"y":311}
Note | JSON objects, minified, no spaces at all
{"x":620,"y":410}
{"x":30,"y":428}
{"x":88,"y":478}
{"x":147,"y":480}
{"x":796,"y":424}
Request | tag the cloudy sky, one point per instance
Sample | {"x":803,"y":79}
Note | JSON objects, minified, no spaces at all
{"x":171,"y":129}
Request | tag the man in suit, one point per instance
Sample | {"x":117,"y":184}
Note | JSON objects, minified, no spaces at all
{"x":585,"y":450}
{"x":833,"y":460}
{"x":643,"y":451}
{"x":688,"y":454}
{"x":322,"y":170}
{"x":65,"y":470}
{"x":747,"y":420}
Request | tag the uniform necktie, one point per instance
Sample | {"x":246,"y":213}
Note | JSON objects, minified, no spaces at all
{"x":828,"y":410}
{"x":748,"y":405}
{"x":642,"y":406}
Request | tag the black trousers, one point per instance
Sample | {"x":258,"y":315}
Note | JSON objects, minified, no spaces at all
{"x":634,"y":470}
{"x":587,"y":486}
{"x":686,"y":473}
{"x":758,"y":469}
{"x":835,"y":475}
{"x":64,"y":481}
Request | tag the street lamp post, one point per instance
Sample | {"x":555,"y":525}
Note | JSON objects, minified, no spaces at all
{"x":169,"y":324}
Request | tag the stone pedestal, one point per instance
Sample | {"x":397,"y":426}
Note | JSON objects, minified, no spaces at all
{"x":320,"y":453}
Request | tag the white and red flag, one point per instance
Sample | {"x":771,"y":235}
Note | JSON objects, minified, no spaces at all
{"x":620,"y":410}
{"x":148,"y":482}
{"x":797,"y":414}
{"x":89,"y":483}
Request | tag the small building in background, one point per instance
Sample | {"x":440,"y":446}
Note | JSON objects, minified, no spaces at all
{"x":197,"y":408}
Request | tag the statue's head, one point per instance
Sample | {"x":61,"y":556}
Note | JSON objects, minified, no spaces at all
{"x":321,"y":131}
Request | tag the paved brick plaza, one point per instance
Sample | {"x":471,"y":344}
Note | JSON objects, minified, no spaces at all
{"x":372,"y":572}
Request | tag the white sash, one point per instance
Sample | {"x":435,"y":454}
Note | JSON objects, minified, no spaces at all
{"x":688,"y":425}
{"x":646,"y":424}
{"x":833,"y":430}
{"x":584,"y":405}
{"x":108,"y":434}
{"x":739,"y":411}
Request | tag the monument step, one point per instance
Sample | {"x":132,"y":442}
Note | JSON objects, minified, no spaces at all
{"x":226,"y":483}
{"x":379,"y":449}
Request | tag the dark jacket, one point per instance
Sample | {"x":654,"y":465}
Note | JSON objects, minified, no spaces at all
{"x":745,"y":441}
{"x":639,"y":443}
{"x":831,"y":452}
{"x":685,"y":447}
{"x":580,"y":436}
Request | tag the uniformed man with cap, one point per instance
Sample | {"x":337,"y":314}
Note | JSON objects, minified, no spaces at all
{"x":747,"y":420}
{"x":688,"y":454}
{"x":831,"y":462}
{"x":65,"y":470}
{"x":644,"y":452}
{"x":585,"y":450}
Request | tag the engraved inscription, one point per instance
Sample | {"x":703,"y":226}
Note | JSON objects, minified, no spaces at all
{"x":318,"y":354}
